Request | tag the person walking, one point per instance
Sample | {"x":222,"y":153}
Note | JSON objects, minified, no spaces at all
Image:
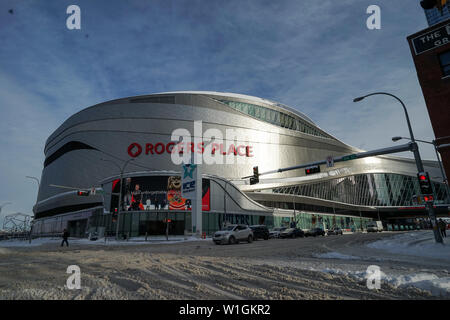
{"x":65,"y":237}
{"x":442,"y":227}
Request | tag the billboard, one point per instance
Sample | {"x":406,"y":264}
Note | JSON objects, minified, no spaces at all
{"x":155,"y":193}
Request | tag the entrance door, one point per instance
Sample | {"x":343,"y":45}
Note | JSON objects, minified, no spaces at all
{"x":77,"y":228}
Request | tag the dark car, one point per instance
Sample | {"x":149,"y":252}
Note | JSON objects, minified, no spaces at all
{"x":275,"y":232}
{"x":292,"y":233}
{"x":335,"y":231}
{"x":315,"y":232}
{"x":260,"y":232}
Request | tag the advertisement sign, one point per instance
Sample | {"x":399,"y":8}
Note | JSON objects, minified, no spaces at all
{"x":189,"y":180}
{"x":155,"y":193}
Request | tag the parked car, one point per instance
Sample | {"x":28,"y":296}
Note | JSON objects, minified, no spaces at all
{"x":260,"y":232}
{"x":275,"y":232}
{"x":233,"y":233}
{"x":335,"y":231}
{"x":315,"y":232}
{"x":292,"y":233}
{"x":376,"y":226}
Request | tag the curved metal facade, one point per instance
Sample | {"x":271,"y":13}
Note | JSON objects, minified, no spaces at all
{"x":278,"y":136}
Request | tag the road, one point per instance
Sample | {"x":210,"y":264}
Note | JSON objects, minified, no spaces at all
{"x":272,"y":269}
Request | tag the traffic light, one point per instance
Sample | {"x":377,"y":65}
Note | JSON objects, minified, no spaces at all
{"x":82,"y":193}
{"x":255,"y":178}
{"x":425,"y":183}
{"x":430,"y":4}
{"x":428,"y":198}
{"x":312,"y":170}
{"x":114,"y":215}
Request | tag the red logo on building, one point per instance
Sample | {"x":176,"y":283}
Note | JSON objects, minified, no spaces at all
{"x":134,"y":149}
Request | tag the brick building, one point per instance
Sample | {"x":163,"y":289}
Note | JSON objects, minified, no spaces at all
{"x":430,"y":49}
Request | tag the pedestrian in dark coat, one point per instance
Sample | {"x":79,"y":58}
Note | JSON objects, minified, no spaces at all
{"x":65,"y":237}
{"x":442,"y":227}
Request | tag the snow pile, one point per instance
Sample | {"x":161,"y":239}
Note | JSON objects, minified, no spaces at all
{"x":425,"y":281}
{"x":336,"y":255}
{"x":419,"y":244}
{"x":359,"y":275}
{"x":436,"y":286}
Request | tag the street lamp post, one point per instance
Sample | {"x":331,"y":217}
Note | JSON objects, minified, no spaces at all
{"x":444,"y":176}
{"x":39,"y":184}
{"x":121,"y":170}
{"x":35,"y":179}
{"x":419,"y":164}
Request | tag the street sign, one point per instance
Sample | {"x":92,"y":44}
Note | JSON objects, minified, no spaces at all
{"x":191,"y":189}
{"x":330,"y":162}
{"x":432,"y":39}
{"x":349,"y":157}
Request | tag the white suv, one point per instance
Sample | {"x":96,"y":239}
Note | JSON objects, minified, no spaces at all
{"x":233,"y":233}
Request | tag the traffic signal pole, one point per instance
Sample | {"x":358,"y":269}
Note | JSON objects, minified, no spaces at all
{"x":360,"y":155}
{"x":121,"y":170}
{"x":411,"y":146}
{"x":415,"y":149}
{"x":428,"y":204}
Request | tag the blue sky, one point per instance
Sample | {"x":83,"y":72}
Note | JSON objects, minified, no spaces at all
{"x":315,"y":56}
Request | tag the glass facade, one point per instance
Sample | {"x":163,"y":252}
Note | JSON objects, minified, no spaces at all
{"x":135,"y":223}
{"x":277,"y":118}
{"x":434,"y":16}
{"x":374,"y":189}
{"x":306,"y":220}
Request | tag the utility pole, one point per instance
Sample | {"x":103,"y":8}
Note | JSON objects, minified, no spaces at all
{"x":39,"y":184}
{"x":121,"y":170}
{"x":415,"y":149}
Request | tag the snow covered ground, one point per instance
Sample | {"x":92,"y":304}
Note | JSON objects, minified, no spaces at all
{"x":99,"y":242}
{"x":418,"y":245}
{"x":411,"y":266}
{"x":426,"y":281}
{"x":336,"y":255}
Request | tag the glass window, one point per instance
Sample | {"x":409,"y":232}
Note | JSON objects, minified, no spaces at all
{"x":444,"y":59}
{"x":283,"y":120}
{"x":251,"y":109}
{"x":274,"y":117}
{"x":258,"y":112}
{"x":291,"y":123}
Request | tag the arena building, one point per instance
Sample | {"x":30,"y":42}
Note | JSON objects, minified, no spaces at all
{"x":93,"y":147}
